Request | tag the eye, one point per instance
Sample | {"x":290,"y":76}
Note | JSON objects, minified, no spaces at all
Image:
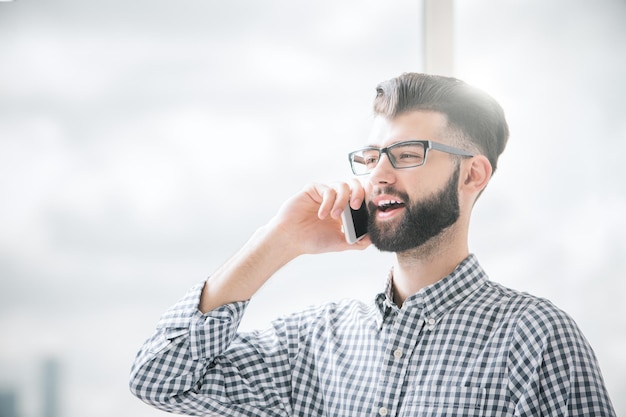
{"x":407,"y":155}
{"x":371,"y":158}
{"x":410,"y":156}
{"x":408,"y":159}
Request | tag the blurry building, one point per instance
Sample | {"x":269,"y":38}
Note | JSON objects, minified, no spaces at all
{"x":8,"y":403}
{"x":50,"y":387}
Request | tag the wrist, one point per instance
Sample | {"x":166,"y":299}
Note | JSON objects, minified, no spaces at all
{"x":276,"y":241}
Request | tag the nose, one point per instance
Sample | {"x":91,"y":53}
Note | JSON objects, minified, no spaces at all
{"x":383,"y":172}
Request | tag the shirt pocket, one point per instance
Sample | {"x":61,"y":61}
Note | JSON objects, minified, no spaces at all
{"x":445,"y":401}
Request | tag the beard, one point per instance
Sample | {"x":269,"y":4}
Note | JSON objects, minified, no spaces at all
{"x":421,"y":220}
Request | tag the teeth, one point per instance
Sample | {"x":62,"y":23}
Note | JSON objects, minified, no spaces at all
{"x":387,"y":203}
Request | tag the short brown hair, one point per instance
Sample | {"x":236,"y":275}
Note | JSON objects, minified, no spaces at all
{"x":475,"y":114}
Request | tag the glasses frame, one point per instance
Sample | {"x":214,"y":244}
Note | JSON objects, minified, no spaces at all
{"x":428,"y":145}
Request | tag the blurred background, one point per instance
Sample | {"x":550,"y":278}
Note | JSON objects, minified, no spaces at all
{"x":141,"y":143}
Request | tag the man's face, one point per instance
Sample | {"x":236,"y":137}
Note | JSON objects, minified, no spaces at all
{"x":410,"y":206}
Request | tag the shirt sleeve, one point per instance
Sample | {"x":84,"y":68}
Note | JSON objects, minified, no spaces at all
{"x":552,"y":369}
{"x":198,"y":364}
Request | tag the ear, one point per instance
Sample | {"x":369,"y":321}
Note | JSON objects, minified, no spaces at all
{"x":477,"y":173}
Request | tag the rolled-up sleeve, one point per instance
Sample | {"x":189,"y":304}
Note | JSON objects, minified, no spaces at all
{"x":186,"y":367}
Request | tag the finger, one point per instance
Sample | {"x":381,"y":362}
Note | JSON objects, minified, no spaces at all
{"x":342,"y":199}
{"x":329,"y":195}
{"x":357,"y":193}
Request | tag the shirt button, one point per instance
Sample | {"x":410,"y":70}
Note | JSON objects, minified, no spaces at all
{"x":383,"y":411}
{"x":397,"y":353}
{"x":431,"y":321}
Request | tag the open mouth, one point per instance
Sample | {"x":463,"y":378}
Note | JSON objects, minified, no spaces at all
{"x":389,"y":205}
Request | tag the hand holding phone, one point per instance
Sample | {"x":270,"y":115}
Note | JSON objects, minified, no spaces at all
{"x":354,"y":223}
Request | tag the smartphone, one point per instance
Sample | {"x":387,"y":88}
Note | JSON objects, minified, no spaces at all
{"x":354,"y":223}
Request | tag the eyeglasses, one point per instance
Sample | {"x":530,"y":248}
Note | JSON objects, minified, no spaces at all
{"x":402,"y":155}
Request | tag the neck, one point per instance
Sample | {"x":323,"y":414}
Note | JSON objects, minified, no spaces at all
{"x":423,"y":266}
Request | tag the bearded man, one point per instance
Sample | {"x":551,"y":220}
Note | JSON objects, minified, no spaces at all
{"x":442,"y":339}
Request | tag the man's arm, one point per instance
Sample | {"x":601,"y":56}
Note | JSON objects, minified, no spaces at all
{"x":307,"y":223}
{"x":195,"y":363}
{"x":552,"y":368}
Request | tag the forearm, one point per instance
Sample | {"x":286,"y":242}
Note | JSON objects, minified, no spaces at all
{"x":309,"y":222}
{"x":182,"y":367}
{"x":241,"y":277}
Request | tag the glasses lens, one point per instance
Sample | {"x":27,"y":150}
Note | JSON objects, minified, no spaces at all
{"x":406,"y":155}
{"x":364,"y":160}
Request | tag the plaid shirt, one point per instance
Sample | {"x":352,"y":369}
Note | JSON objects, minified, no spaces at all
{"x":462,"y":346}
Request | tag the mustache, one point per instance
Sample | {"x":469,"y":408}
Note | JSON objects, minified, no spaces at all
{"x":390,"y":191}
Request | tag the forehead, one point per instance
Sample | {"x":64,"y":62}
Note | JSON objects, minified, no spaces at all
{"x":426,"y":125}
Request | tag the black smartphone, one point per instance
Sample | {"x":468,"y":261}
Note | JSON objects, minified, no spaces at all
{"x":354,"y":223}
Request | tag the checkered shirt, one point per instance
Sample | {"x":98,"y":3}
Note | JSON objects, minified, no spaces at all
{"x":464,"y":346}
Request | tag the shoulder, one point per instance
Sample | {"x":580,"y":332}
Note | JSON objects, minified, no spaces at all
{"x":534,"y":320}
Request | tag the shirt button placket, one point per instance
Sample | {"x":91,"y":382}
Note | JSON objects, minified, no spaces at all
{"x":393,"y":373}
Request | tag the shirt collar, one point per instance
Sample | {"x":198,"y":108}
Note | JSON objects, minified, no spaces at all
{"x":438,"y":298}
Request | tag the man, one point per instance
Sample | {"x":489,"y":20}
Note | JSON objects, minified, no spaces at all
{"x":441,"y":340}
